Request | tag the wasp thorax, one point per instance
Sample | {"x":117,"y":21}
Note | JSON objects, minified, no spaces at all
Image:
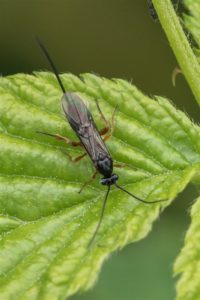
{"x":104,"y":165}
{"x":83,"y":130}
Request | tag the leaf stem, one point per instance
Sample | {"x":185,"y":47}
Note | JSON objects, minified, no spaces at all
{"x":180,"y":45}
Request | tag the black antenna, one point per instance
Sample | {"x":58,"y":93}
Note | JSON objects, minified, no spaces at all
{"x":46,"y":53}
{"x":101,"y":218}
{"x":139,"y":199}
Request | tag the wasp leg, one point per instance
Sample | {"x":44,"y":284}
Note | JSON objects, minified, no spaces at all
{"x":112,"y":127}
{"x":68,"y":141}
{"x":109,"y":126}
{"x":76,"y":159}
{"x":108,"y":136}
{"x":104,"y":130}
{"x":88,"y":182}
{"x":106,"y":122}
{"x":61,"y":138}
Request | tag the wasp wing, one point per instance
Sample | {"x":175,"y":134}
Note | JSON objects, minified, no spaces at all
{"x":81,"y":121}
{"x":75,"y":110}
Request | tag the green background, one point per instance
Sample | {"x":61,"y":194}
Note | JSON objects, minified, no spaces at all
{"x":112,"y":38}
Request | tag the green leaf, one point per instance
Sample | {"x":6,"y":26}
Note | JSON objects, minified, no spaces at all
{"x":187,"y":263}
{"x":191,"y":20}
{"x":188,"y":286}
{"x":45,"y":224}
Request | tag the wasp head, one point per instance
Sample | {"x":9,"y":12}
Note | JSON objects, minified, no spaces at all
{"x":109,"y":181}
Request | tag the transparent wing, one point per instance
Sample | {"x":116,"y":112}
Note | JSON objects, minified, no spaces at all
{"x":75,"y":110}
{"x":83,"y":124}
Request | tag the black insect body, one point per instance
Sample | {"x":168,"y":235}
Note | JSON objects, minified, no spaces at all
{"x":81,"y":121}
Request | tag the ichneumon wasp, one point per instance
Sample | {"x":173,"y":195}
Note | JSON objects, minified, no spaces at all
{"x":82,"y":122}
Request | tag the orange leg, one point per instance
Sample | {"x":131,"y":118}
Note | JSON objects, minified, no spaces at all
{"x":61,"y":138}
{"x":76,"y":159}
{"x":69,"y":142}
{"x":111,"y":129}
{"x":109,"y":126}
{"x":106,"y":122}
{"x":89,"y":181}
